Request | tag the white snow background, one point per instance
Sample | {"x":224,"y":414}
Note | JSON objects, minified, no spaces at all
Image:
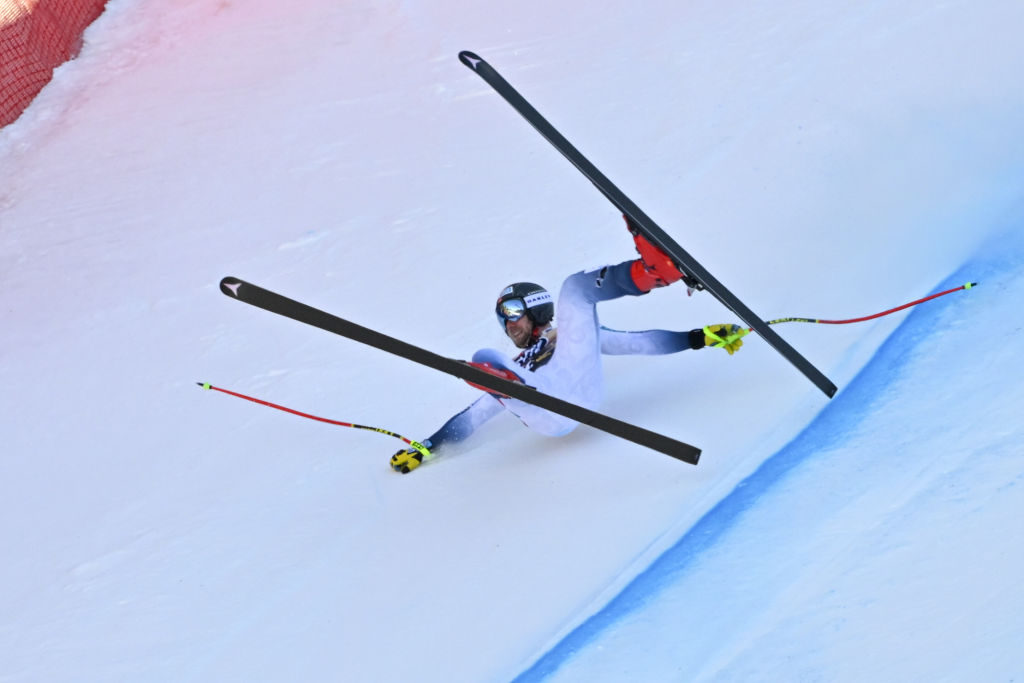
{"x":822,"y":159}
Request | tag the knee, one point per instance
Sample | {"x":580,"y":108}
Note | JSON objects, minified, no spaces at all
{"x":491,"y":356}
{"x":602,"y":284}
{"x":581,"y":286}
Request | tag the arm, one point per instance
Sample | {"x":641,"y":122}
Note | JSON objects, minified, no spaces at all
{"x":456,"y":429}
{"x":649,"y":342}
{"x":461,"y":426}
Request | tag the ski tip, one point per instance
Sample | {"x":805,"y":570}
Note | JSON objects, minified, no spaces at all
{"x":230,"y":285}
{"x":470,"y":59}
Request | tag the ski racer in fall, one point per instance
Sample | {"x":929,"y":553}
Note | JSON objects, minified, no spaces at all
{"x":566,"y":361}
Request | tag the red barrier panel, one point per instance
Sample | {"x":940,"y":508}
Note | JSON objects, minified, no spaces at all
{"x":36,"y":36}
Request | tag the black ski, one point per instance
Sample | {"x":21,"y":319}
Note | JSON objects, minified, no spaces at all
{"x":275,"y":303}
{"x":642,"y":222}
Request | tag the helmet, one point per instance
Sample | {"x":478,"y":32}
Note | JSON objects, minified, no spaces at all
{"x":525,"y":298}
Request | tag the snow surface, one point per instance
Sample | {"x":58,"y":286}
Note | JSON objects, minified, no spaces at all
{"x":820,"y":158}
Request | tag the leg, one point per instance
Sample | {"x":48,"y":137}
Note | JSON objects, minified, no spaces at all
{"x":575,"y":370}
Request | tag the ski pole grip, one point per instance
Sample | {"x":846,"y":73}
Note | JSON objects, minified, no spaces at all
{"x":424,"y":451}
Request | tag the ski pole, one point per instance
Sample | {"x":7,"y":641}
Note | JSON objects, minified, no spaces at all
{"x":415,"y":444}
{"x":875,"y":315}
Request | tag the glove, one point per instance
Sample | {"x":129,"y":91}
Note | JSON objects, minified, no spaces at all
{"x":405,"y":461}
{"x":725,"y":336}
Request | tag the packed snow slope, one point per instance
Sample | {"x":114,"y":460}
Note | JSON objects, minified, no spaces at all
{"x":820,"y":159}
{"x":907,"y":508}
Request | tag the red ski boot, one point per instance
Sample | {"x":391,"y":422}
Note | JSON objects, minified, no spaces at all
{"x":654,"y":268}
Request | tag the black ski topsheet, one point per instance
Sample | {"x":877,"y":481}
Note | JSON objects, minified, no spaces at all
{"x":643,"y":222}
{"x":276,"y":303}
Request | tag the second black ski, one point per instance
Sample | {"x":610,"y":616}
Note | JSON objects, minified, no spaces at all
{"x":642,"y":222}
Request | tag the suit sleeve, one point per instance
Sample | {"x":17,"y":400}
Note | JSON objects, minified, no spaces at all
{"x":649,"y":342}
{"x":462,"y":425}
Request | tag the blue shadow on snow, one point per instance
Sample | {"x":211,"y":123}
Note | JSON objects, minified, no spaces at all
{"x":842,"y":414}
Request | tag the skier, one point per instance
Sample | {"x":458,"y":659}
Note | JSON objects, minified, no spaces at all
{"x":566,"y":361}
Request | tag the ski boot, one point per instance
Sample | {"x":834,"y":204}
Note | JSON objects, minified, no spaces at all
{"x":654,"y":268}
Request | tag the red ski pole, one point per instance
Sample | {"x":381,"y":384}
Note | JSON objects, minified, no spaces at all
{"x":415,"y":444}
{"x":875,"y":315}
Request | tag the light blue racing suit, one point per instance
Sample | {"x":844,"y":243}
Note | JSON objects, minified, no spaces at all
{"x":566,"y":365}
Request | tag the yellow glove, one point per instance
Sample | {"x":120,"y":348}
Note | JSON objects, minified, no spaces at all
{"x":725,"y":336}
{"x":407,"y":460}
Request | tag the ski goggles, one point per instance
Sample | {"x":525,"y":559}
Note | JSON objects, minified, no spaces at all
{"x":510,"y":310}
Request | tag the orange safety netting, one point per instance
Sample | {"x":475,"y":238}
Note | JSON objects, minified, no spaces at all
{"x":36,"y":36}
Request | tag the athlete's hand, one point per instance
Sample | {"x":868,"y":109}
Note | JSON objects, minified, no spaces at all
{"x":725,"y":336}
{"x":407,"y":460}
